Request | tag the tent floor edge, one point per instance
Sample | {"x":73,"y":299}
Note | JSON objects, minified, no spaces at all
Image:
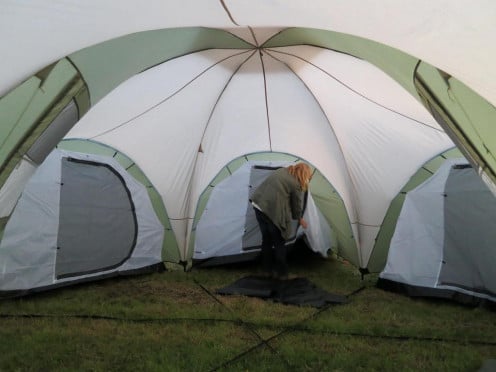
{"x":434,"y":293}
{"x":16,"y":293}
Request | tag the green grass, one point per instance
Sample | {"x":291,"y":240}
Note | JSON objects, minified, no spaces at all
{"x":173,"y":321}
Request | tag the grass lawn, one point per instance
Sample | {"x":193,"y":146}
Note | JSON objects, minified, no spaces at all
{"x":173,"y":321}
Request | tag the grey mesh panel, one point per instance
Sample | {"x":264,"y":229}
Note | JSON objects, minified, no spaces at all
{"x":97,"y":227}
{"x":52,"y":135}
{"x":470,"y":233}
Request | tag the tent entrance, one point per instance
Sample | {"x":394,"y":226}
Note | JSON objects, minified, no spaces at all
{"x":252,"y":239}
{"x":227,"y":230}
{"x":97,"y":223}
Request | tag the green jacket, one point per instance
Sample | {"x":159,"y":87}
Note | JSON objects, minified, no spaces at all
{"x":280,"y":198}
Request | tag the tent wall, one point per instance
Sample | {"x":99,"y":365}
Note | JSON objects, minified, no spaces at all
{"x":34,"y":117}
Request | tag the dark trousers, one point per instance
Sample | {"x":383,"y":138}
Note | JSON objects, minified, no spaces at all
{"x":273,"y":260}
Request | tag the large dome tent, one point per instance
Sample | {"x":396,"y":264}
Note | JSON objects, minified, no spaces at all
{"x":201,"y":110}
{"x":183,"y":92}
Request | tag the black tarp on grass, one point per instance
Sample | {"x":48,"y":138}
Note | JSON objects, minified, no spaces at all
{"x":298,"y":291}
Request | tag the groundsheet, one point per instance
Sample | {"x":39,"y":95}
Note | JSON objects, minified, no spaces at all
{"x":298,"y":291}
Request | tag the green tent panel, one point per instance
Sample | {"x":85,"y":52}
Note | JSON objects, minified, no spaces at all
{"x":467,"y":117}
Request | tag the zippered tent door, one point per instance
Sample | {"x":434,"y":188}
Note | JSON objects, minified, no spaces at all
{"x":97,"y":223}
{"x":469,"y":215}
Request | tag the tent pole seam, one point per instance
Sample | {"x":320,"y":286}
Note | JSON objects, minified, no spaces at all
{"x":228,"y":12}
{"x":260,"y":53}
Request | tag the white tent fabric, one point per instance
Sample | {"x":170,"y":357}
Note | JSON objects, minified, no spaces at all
{"x":223,"y":224}
{"x":215,"y":101}
{"x":28,"y":249}
{"x":456,"y":36}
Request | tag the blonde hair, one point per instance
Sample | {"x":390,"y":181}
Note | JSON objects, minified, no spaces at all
{"x":302,"y":172}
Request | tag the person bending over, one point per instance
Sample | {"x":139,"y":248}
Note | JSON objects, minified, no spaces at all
{"x":278,"y":201}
